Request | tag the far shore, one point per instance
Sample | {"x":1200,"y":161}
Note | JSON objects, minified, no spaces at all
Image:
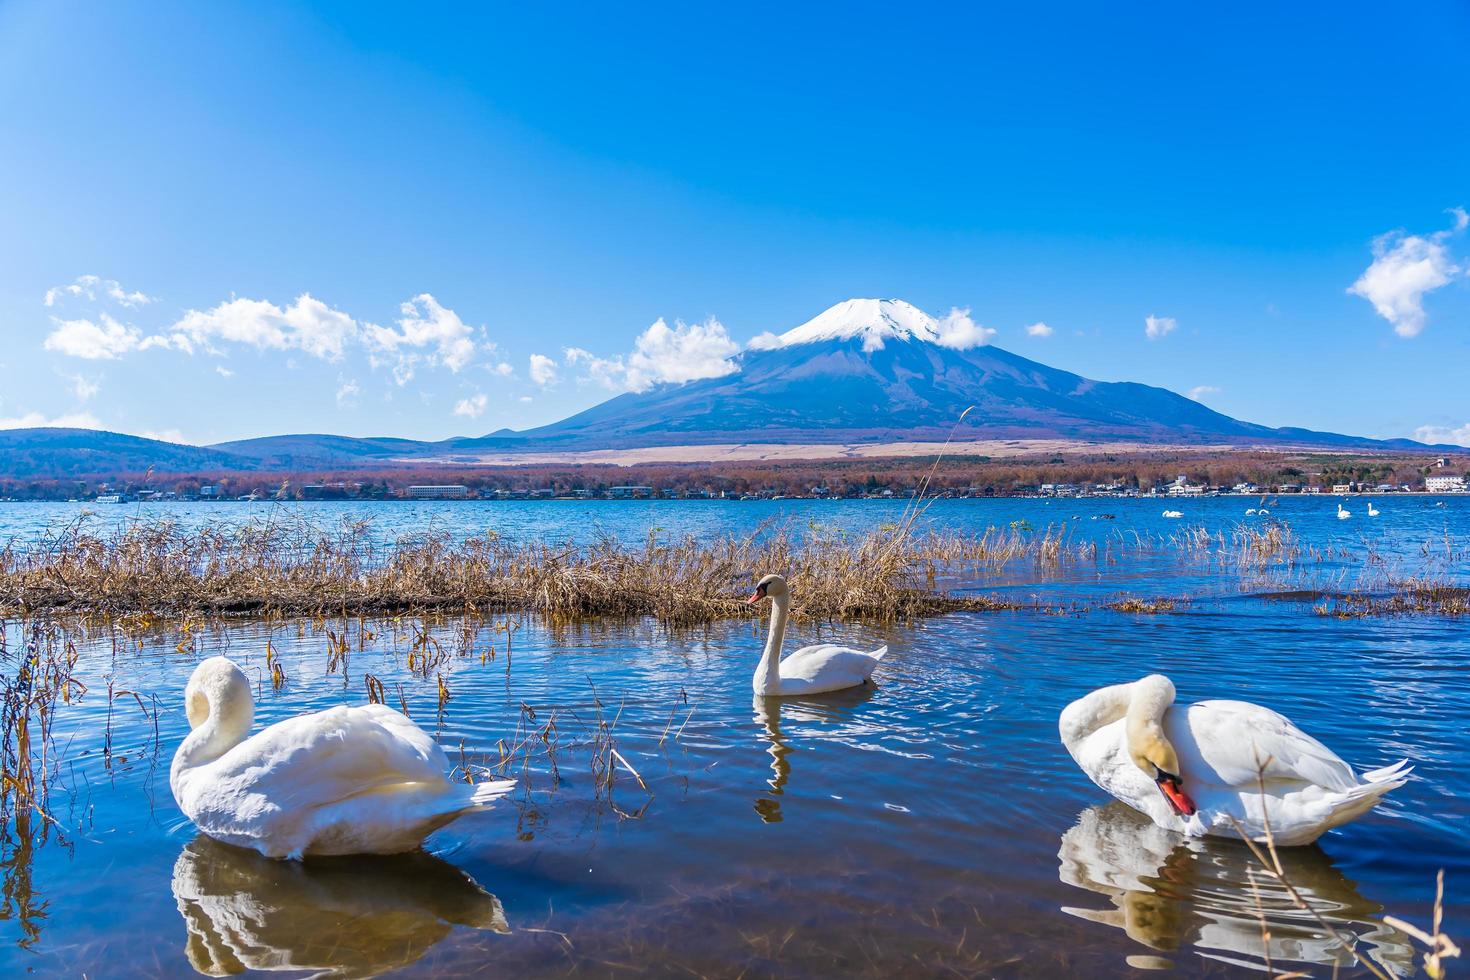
{"x":771,"y":451}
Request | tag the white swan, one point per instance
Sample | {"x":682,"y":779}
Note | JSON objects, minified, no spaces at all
{"x":1194,"y":769}
{"x":1342,"y":514}
{"x":1372,"y":511}
{"x":1249,"y":511}
{"x":1173,"y":513}
{"x":363,"y":780}
{"x":810,"y":670}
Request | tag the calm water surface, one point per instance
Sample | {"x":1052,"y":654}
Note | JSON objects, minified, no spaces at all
{"x":931,"y":825}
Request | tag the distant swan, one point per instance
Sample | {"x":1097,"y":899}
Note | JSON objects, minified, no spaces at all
{"x":1372,"y":511}
{"x":363,"y":780}
{"x":1192,"y":769}
{"x":1173,"y":513}
{"x":1249,"y":511}
{"x":1342,"y":514}
{"x":810,"y":670}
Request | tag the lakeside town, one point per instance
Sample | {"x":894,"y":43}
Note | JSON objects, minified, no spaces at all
{"x":1435,"y":483}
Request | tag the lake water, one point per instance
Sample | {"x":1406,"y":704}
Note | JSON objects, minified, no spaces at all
{"x":931,"y":825}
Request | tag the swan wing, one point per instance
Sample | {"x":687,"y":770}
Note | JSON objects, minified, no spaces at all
{"x":322,"y":758}
{"x":1239,"y":744}
{"x":823,"y":659}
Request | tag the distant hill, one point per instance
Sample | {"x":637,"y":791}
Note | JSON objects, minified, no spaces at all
{"x":59,"y":453}
{"x":310,"y":450}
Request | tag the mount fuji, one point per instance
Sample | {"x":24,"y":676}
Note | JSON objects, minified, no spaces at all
{"x":883,"y":370}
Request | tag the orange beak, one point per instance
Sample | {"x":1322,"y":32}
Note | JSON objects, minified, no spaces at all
{"x":757,"y":595}
{"x":1174,"y":793}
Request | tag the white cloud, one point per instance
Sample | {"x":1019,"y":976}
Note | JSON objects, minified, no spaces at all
{"x":526,"y":398}
{"x":223,"y":372}
{"x":1404,"y":269}
{"x":93,"y":287}
{"x":165,"y":435}
{"x":1039,"y":329}
{"x":472,"y":407}
{"x":84,"y":388}
{"x":35,"y":420}
{"x":958,"y":331}
{"x":663,"y":355}
{"x":347,"y":392}
{"x":503,"y":369}
{"x":1201,"y":392}
{"x":764,"y":341}
{"x":308,"y":325}
{"x":1444,"y":434}
{"x":102,"y":341}
{"x":1155,"y":327}
{"x":543,"y":370}
{"x":687,"y":352}
{"x":425,"y":324}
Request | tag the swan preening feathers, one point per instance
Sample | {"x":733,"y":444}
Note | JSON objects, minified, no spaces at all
{"x":347,"y":780}
{"x":1204,"y":768}
{"x":810,"y":670}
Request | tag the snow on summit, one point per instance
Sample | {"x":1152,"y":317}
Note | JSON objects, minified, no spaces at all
{"x":876,"y":321}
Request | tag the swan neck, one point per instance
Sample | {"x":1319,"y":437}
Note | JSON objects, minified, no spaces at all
{"x":1097,"y":710}
{"x":768,"y":673}
{"x":225,"y":726}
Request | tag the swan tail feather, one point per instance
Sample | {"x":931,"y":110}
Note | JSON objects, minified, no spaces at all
{"x":484,"y":794}
{"x":1397,"y":773}
{"x":879,"y":653}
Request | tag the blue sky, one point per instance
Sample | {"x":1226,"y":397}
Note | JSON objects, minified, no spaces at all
{"x":455,"y":191}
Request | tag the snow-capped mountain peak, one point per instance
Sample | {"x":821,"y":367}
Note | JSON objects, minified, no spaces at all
{"x":873,"y":320}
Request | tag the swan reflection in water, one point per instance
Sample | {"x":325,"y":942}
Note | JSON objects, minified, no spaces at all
{"x":1171,"y":892}
{"x":340,"y":917}
{"x":835,"y":708}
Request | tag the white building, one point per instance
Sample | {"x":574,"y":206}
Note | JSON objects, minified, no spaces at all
{"x":438,"y":492}
{"x":1444,"y":484}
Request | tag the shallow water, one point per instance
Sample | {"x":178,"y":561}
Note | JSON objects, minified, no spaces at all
{"x":932,"y":824}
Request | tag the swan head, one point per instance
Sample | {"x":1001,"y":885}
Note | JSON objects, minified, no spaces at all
{"x":771,"y":587}
{"x":219,"y":688}
{"x":1148,"y":746}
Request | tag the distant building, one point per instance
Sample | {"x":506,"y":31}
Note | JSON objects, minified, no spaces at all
{"x":209,"y":491}
{"x":438,"y":492}
{"x":1342,"y":488}
{"x":328,"y":491}
{"x":1444,"y":484}
{"x":629,"y":493}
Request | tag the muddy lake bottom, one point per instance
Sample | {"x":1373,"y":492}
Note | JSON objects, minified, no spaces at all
{"x":929,"y":825}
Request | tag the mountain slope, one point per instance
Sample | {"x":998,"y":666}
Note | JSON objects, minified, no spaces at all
{"x":59,"y":453}
{"x":880,"y":370}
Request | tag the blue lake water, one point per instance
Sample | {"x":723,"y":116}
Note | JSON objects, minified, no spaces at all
{"x":931,"y":825}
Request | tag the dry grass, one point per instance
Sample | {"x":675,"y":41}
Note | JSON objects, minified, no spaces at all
{"x":1140,"y":606}
{"x":300,"y":570}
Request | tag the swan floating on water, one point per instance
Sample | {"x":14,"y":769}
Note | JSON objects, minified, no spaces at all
{"x":1342,"y":514}
{"x":347,"y":780}
{"x":1201,"y":769}
{"x":1173,"y":513}
{"x":810,"y":670}
{"x":1372,"y":511}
